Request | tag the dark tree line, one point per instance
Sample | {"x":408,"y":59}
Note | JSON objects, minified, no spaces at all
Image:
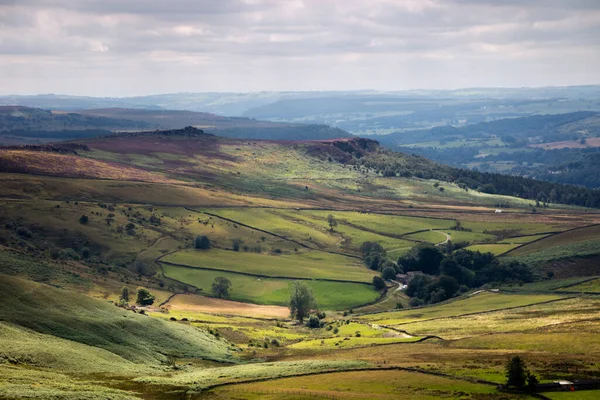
{"x":443,"y":276}
{"x":391,"y":163}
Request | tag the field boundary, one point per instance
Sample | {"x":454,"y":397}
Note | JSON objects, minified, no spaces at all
{"x":547,"y":237}
{"x":380,"y":368}
{"x":272,"y":233}
{"x":263,"y":276}
{"x":480,"y":312}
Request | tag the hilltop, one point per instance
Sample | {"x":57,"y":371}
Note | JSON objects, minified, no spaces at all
{"x":19,"y":125}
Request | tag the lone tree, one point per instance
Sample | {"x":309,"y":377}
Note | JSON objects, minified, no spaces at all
{"x":84,"y":219}
{"x":144,"y":297}
{"x":301,"y":301}
{"x":202,"y":242}
{"x":124,"y":294}
{"x":378,"y":282}
{"x":220,"y":287}
{"x":332,"y":222}
{"x":388,"y":273}
{"x":516,"y":373}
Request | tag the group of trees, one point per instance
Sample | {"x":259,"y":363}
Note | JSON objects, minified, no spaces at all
{"x":143,"y":296}
{"x":518,"y":376}
{"x":302,"y":303}
{"x":445,"y":275}
{"x":441,"y":275}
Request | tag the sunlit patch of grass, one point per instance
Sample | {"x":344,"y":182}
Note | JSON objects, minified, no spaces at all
{"x":329,"y":295}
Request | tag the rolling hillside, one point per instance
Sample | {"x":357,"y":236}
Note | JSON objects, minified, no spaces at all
{"x":80,"y":220}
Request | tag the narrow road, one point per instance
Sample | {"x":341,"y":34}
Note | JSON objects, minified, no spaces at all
{"x":448,"y":238}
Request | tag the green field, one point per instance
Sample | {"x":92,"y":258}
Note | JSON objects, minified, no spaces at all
{"x":576,"y":236}
{"x":206,"y":377}
{"x":306,"y":264}
{"x":363,"y":385}
{"x":546,"y":285}
{"x":495,"y":249}
{"x":504,"y":321}
{"x":586,"y":287}
{"x":523,"y":239}
{"x":512,"y":227}
{"x":329,"y":295}
{"x":480,"y":302}
{"x":389,"y":224}
{"x":429,"y":237}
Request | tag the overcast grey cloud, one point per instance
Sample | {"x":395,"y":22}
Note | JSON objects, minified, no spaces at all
{"x":133,"y":47}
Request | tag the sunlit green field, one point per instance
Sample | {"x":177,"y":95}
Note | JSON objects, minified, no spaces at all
{"x":519,"y":319}
{"x":495,"y":249}
{"x":586,"y":287}
{"x":481,"y":302}
{"x":329,"y":295}
{"x":429,"y":236}
{"x":305,"y":264}
{"x":362,"y":385}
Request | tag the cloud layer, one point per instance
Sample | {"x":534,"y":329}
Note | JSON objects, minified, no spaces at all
{"x":129,"y":47}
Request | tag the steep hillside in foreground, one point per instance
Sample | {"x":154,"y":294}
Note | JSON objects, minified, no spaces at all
{"x":70,"y":316}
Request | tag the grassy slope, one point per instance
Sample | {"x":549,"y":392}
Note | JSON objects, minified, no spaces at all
{"x":506,"y":321}
{"x":91,"y":322}
{"x":581,"y":237}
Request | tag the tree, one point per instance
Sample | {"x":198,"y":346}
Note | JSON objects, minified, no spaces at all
{"x":368,"y":248}
{"x":220,"y":287}
{"x":124,"y":294}
{"x":430,"y":258}
{"x":314,"y":322}
{"x":144,"y":297}
{"x":388,"y":273}
{"x":236,"y":244}
{"x":202,"y":242}
{"x":301,"y":301}
{"x":516,"y":373}
{"x":84,"y":219}
{"x":378,"y":282}
{"x":332,"y":222}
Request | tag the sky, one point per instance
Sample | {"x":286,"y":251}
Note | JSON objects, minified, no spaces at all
{"x":138,"y":47}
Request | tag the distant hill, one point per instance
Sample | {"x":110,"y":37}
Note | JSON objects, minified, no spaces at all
{"x":557,"y":148}
{"x":25,"y":125}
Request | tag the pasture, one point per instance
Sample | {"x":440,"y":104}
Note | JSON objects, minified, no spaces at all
{"x":496,"y":248}
{"x":269,"y":291}
{"x":477,"y":303}
{"x":577,"y":238}
{"x":586,"y":287}
{"x":501,"y":321}
{"x":387,"y":384}
{"x":303,"y":265}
